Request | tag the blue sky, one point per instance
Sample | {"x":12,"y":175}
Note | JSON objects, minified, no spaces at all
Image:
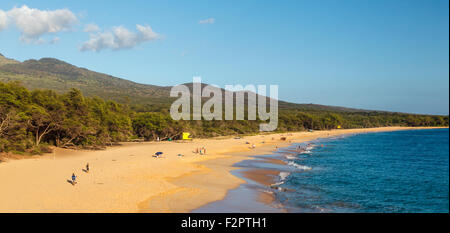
{"x":384,"y":55}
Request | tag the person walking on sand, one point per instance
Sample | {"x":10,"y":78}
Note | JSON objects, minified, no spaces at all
{"x":74,"y":179}
{"x":87,"y":167}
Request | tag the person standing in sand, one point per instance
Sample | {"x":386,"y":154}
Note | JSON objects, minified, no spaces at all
{"x":87,"y":167}
{"x":74,"y":179}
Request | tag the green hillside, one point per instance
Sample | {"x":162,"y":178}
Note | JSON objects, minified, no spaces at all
{"x":53,"y":74}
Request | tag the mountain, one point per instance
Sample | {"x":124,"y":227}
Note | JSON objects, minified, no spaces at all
{"x":50,"y":73}
{"x":4,"y":60}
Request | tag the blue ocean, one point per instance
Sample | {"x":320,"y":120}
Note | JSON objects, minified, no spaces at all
{"x":393,"y":172}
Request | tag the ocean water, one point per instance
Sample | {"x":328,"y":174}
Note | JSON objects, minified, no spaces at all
{"x":401,"y":171}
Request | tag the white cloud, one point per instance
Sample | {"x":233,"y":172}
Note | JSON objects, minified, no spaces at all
{"x":91,"y":28}
{"x":3,"y":20}
{"x":34,"y":23}
{"x":119,"y":38}
{"x":38,"y":41}
{"x":207,"y":21}
{"x":54,"y":40}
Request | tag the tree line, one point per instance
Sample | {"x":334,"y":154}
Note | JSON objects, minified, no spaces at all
{"x":32,"y":121}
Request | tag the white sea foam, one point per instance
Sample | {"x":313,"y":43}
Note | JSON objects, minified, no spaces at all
{"x":265,"y":191}
{"x":299,"y":166}
{"x":290,"y":157}
{"x":284,"y":175}
{"x":277,"y":184}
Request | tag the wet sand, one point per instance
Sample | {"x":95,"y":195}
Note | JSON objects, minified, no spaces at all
{"x":263,"y":176}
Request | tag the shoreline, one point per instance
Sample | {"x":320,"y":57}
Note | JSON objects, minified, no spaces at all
{"x":128,"y":179}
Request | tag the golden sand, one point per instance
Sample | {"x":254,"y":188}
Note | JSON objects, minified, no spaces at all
{"x":128,"y":179}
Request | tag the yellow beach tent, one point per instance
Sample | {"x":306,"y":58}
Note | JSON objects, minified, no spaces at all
{"x":186,"y":136}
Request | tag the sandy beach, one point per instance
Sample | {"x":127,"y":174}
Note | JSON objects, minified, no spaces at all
{"x":128,"y":179}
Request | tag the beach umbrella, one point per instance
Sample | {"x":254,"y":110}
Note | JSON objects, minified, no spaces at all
{"x":158,"y":153}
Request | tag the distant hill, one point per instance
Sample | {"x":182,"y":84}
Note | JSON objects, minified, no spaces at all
{"x":4,"y":60}
{"x":50,"y":73}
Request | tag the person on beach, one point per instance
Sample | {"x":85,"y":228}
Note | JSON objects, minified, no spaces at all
{"x":87,"y":167}
{"x":74,"y":179}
